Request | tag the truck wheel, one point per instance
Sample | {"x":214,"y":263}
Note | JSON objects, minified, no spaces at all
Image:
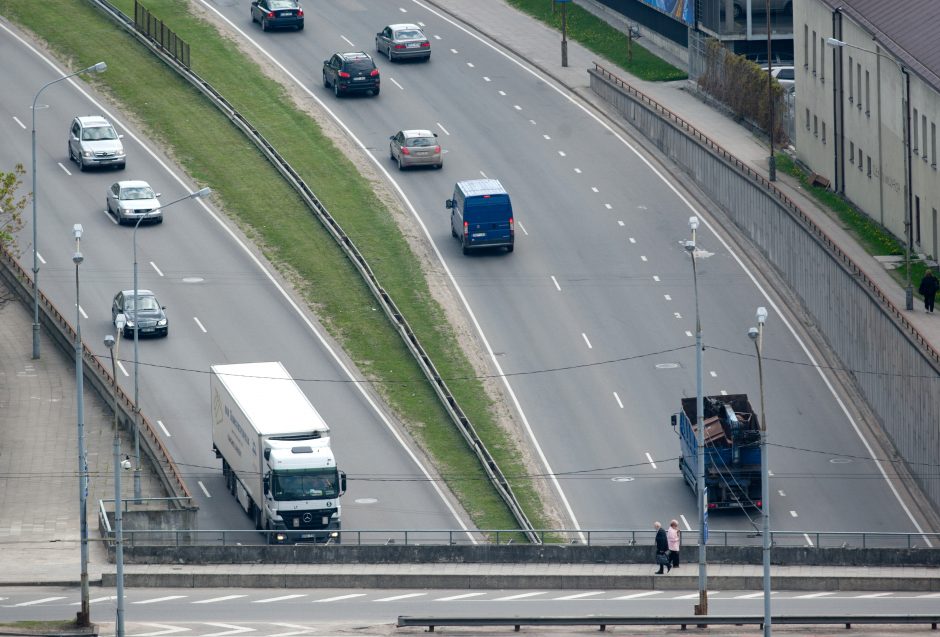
{"x":257,"y":515}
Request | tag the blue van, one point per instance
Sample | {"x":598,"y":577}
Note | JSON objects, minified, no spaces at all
{"x":481,"y":215}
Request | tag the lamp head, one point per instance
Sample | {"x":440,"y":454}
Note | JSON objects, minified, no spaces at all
{"x":693,"y":223}
{"x":109,"y":341}
{"x":762,"y":315}
{"x":100,"y":67}
{"x":77,"y":231}
{"x":202,"y":192}
{"x":834,"y":43}
{"x":753,"y":333}
{"x":120,"y":321}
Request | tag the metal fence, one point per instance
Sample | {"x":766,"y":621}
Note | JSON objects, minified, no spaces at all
{"x":894,"y":367}
{"x":155,"y":30}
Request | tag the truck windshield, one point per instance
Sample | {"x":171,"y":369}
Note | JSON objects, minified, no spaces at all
{"x":305,"y":484}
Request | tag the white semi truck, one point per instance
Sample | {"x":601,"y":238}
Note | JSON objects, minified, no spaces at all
{"x":275,"y":451}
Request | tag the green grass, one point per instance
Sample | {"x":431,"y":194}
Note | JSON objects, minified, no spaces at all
{"x":215,"y":153}
{"x":871,"y":235}
{"x":603,"y":39}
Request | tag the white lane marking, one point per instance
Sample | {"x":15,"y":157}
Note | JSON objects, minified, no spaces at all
{"x":617,"y":398}
{"x":403,"y":9}
{"x":643,"y":258}
{"x":209,"y":495}
{"x":41,"y":260}
{"x":159,"y":599}
{"x":439,"y":125}
{"x":277,"y":599}
{"x":685,"y":522}
{"x":555,"y":281}
{"x":82,"y":311}
{"x":483,"y":174}
{"x":872,"y":595}
{"x":689,"y":334}
{"x":470,"y":64}
{"x":121,"y":367}
{"x":503,"y":93}
{"x":546,"y":136}
{"x":594,"y":188}
{"x":793,"y":514}
{"x":509,"y":598}
{"x":486,"y":79}
{"x":813,"y":595}
{"x":218,"y":599}
{"x":677,"y":315}
{"x":578,"y":595}
{"x":656,"y":278}
{"x":532,"y":121}
{"x":300,"y":630}
{"x":110,"y":217}
{"x":650,"y":458}
{"x":770,"y":473}
{"x":808,"y":540}
{"x":17,"y":120}
{"x":422,"y":25}
{"x":232,"y":629}
{"x":154,"y":266}
{"x":583,"y":335}
{"x":454,"y":51}
{"x":94,"y":600}
{"x":562,"y":153}
{"x":456,"y":597}
{"x":643,"y":594}
{"x":199,"y":323}
{"x":437,"y":37}
{"x":517,"y":107}
{"x":167,"y":630}
{"x":39,"y":601}
{"x":713,"y":374}
{"x":632,"y":240}
{"x":751,"y":595}
{"x":361,"y":387}
{"x":608,"y":206}
{"x":694,"y":595}
{"x":522,"y":227}
{"x":782,"y":494}
{"x":396,"y":597}
{"x":347,"y":40}
{"x":168,"y":434}
{"x":577,"y":170}
{"x":620,"y":223}
{"x":667,"y":297}
{"x":928,"y":595}
{"x":339,"y":597}
{"x":392,"y":80}
{"x":62,"y":166}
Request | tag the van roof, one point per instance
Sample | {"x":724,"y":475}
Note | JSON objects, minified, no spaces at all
{"x":476,"y":187}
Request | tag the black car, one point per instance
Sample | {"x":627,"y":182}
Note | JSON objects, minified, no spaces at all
{"x":151,"y":315}
{"x":277,"y":14}
{"x":348,"y":72}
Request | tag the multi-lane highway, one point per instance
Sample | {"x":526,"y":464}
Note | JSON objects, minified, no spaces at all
{"x":598,"y":282}
{"x":224,"y":304}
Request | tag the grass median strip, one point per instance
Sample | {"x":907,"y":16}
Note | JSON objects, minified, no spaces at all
{"x":251,"y":191}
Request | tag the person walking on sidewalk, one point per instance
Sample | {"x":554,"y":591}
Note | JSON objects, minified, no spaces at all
{"x":662,"y":549}
{"x":673,"y":535}
{"x":928,"y":287}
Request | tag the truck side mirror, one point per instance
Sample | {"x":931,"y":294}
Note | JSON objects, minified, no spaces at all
{"x":449,"y":204}
{"x":675,"y":420}
{"x":267,"y":484}
{"x":342,"y":482}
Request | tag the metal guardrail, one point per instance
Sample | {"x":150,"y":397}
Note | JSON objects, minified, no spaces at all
{"x":593,"y":537}
{"x":682,"y":621}
{"x":783,"y":199}
{"x":448,"y":401}
{"x":98,"y":374}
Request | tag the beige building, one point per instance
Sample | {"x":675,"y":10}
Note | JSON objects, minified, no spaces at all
{"x":867,"y":71}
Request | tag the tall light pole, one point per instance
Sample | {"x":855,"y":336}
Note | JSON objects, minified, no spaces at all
{"x":100,"y":67}
{"x":702,"y":607}
{"x":113,"y":347}
{"x":84,"y":615}
{"x":203,"y":192}
{"x":757,"y":335}
{"x":908,"y":179}
{"x":772,"y":165}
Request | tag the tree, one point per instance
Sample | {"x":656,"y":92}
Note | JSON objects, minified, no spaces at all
{"x":11,"y":207}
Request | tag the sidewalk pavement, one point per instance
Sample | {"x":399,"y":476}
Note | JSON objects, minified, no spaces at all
{"x":39,"y":529}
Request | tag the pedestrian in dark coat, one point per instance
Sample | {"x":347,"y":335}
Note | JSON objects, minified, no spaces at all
{"x":928,"y":288}
{"x":662,"y":549}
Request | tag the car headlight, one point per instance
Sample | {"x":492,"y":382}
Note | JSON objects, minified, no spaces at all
{"x":129,"y":323}
{"x":161,"y":322}
{"x":88,"y":153}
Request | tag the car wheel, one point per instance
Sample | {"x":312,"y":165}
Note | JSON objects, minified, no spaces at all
{"x":427,"y":58}
{"x":71,"y":157}
{"x":252,"y":17}
{"x":326,"y":83}
{"x":375,"y":91}
{"x":388,"y":53}
{"x":264,"y":24}
{"x":391,"y":153}
{"x":300,"y":27}
{"x":336,"y":89}
{"x":122,"y":165}
{"x":81,"y":163}
{"x":440,"y":165}
{"x":400,"y":165}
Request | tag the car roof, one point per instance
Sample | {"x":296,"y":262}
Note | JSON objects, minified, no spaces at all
{"x":133,"y":183}
{"x":354,"y":55}
{"x":402,"y":27}
{"x":417,"y":132}
{"x":93,"y":120}
{"x":139,"y":292}
{"x":472,"y":187}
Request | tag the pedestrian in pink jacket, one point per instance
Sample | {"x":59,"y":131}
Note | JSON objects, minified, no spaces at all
{"x":673,"y":536}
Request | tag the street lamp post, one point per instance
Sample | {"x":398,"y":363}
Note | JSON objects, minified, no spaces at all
{"x":772,"y":165}
{"x":908,"y":180}
{"x":100,"y":67}
{"x":757,"y":335}
{"x":113,"y":347}
{"x":702,"y":607}
{"x":84,"y":615}
{"x":203,"y":192}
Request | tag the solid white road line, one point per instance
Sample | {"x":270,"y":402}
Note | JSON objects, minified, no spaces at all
{"x":39,"y":601}
{"x":751,"y":595}
{"x":872,"y":595}
{"x":168,"y":434}
{"x":110,"y":217}
{"x":643,"y":594}
{"x":208,"y":495}
{"x":392,"y":80}
{"x":397,"y":597}
{"x":456,"y":597}
{"x":277,"y":599}
{"x":579,"y":595}
{"x":518,"y":596}
{"x":522,"y":227}
{"x":154,"y":266}
{"x":121,"y":367}
{"x":62,"y":166}
{"x":813,"y":595}
{"x":199,"y":323}
{"x":159,"y":599}
{"x":348,"y":41}
{"x":340,"y":597}
{"x":439,"y":125}
{"x":17,"y":120}
{"x":218,"y":599}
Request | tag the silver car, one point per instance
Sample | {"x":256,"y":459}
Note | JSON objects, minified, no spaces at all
{"x":93,"y":142}
{"x":403,"y":42}
{"x":415,"y":148}
{"x":134,"y":201}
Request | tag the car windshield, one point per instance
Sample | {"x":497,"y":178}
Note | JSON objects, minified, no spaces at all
{"x":147,"y":303}
{"x":360,"y":65}
{"x":409,"y":34}
{"x":98,"y":133}
{"x":420,"y":142}
{"x":282,"y":4}
{"x":304,"y":485}
{"x":137,"y":192}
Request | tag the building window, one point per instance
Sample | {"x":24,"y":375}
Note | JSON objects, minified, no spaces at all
{"x":867,"y":95}
{"x":934,"y":226}
{"x":923,"y":133}
{"x":805,"y":46}
{"x":851,"y":152}
{"x":861,"y":157}
{"x":807,"y":119}
{"x":917,"y":219}
{"x":933,"y":146}
{"x":815,"y":126}
{"x":868,"y":163}
{"x":851,"y":83}
{"x":858,"y":75}
{"x":914,"y":135}
{"x":814,"y":53}
{"x":824,"y":132}
{"x":822,"y":60}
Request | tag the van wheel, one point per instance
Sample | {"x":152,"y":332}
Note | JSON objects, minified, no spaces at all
{"x":466,"y":248}
{"x":509,"y":248}
{"x":453,"y":232}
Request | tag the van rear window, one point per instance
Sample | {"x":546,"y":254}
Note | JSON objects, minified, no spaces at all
{"x":491,"y":208}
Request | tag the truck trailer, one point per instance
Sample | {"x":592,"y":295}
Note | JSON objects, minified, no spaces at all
{"x":732,"y":450}
{"x":275,"y":451}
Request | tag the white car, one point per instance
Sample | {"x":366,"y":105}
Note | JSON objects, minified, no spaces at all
{"x":134,"y":201}
{"x":784,"y":74}
{"x":94,"y":142}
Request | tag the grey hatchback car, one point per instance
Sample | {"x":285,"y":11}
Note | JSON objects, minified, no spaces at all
{"x":403,"y":42}
{"x":415,"y":148}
